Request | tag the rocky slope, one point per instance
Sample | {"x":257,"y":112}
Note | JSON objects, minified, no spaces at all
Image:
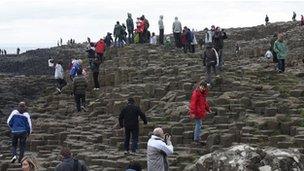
{"x":251,"y":103}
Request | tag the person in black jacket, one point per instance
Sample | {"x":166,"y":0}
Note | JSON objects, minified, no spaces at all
{"x":128,"y":119}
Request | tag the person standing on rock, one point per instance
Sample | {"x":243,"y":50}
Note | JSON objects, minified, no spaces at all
{"x":274,"y":54}
{"x":266,"y":20}
{"x":130,"y":28}
{"x":177,"y":30}
{"x":210,"y":60}
{"x":198,"y":108}
{"x":20,"y":125}
{"x":302,"y":20}
{"x":218,"y":43}
{"x":161,"y":30}
{"x":281,"y":50}
{"x":108,"y":40}
{"x":100,"y":48}
{"x":18,"y":51}
{"x":117,"y":33}
{"x":193,"y":42}
{"x":159,"y":147}
{"x":79,"y":90}
{"x":68,"y":163}
{"x":59,"y":76}
{"x":128,"y":119}
{"x":76,"y":65}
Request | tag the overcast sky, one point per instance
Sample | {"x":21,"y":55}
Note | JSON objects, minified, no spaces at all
{"x":41,"y":23}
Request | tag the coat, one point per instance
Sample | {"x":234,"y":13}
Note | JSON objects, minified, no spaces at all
{"x":128,"y":117}
{"x":68,"y":164}
{"x":198,"y":104}
{"x":280,"y":49}
{"x":79,"y":85}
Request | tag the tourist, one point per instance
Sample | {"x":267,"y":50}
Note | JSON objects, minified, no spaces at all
{"x":124,"y":34}
{"x":95,"y":70}
{"x":108,"y":40}
{"x":100,"y":48}
{"x":59,"y":76}
{"x":193,"y":42}
{"x":68,"y":163}
{"x":218,"y":43}
{"x":79,"y":90}
{"x":211,"y":61}
{"x":117,"y":34}
{"x":29,"y":163}
{"x":51,"y":62}
{"x":20,"y":125}
{"x":184,"y":39}
{"x":302,"y":20}
{"x":153,"y":39}
{"x":281,"y":50}
{"x":161,"y":30}
{"x":128,"y":119}
{"x":159,"y":147}
{"x":177,"y":30}
{"x":146,"y":36}
{"x":18,"y":51}
{"x":266,"y":20}
{"x":76,"y":65}
{"x":208,"y":36}
{"x":237,"y":50}
{"x":294,"y":15}
{"x":130,"y":28}
{"x":199,"y":108}
{"x":274,"y":54}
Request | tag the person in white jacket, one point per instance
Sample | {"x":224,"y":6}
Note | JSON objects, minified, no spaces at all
{"x":59,"y":76}
{"x":158,"y":148}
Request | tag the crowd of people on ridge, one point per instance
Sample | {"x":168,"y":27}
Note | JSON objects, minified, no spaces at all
{"x":159,"y":146}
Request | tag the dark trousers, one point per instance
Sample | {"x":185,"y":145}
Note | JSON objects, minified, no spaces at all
{"x":177,"y":39}
{"x":161,"y":36}
{"x":134,"y":132}
{"x":192,"y":48}
{"x":186,"y":47}
{"x":21,"y":138}
{"x":95,"y":78}
{"x":61,"y":83}
{"x":208,"y":70}
{"x":281,"y":65}
{"x":80,"y":101}
{"x":130,"y":36}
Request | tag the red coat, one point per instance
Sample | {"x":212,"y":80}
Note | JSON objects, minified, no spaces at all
{"x":198,"y":104}
{"x":100,"y":46}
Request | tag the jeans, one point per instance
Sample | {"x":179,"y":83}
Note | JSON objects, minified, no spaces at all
{"x":95,"y":78}
{"x":177,"y":39}
{"x":134,"y":132}
{"x":22,"y":143}
{"x":208,"y":70}
{"x":161,"y":36}
{"x":281,"y":65}
{"x":198,"y":129}
{"x":61,"y":83}
{"x":80,"y":101}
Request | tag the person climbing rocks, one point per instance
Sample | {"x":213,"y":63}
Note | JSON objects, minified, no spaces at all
{"x":211,"y":61}
{"x":68,"y":163}
{"x":100,"y":48}
{"x":193,"y":42}
{"x":218,"y":43}
{"x":128,"y":119}
{"x":281,"y":50}
{"x":237,"y":49}
{"x":117,"y":34}
{"x":159,"y":147}
{"x":198,"y":108}
{"x":153,"y":39}
{"x":294,"y":16}
{"x":161,"y":29}
{"x":177,"y":30}
{"x":79,"y":90}
{"x":302,"y":20}
{"x":130,"y":28}
{"x":76,"y":65}
{"x":59,"y":76}
{"x":18,"y":51}
{"x":266,"y":20}
{"x":20,"y":125}
{"x":29,"y":163}
{"x":108,"y":40}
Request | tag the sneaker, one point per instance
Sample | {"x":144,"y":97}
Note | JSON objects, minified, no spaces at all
{"x":1,"y":155}
{"x":126,"y":152}
{"x":14,"y":159}
{"x":83,"y":108}
{"x":208,"y":84}
{"x":58,"y":90}
{"x":97,"y":89}
{"x":94,"y":89}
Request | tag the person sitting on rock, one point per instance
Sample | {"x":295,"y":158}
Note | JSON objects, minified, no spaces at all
{"x":128,"y":119}
{"x":153,"y":40}
{"x":68,"y":163}
{"x":29,"y":163}
{"x":211,"y":61}
{"x":159,"y":147}
{"x":198,"y":108}
{"x":20,"y":125}
{"x":79,"y":90}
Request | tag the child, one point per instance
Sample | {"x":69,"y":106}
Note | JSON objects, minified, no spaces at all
{"x":153,"y":39}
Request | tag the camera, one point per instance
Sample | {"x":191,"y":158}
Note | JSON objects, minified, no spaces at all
{"x":167,"y":135}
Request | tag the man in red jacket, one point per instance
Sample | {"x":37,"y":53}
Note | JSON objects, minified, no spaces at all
{"x":199,"y":108}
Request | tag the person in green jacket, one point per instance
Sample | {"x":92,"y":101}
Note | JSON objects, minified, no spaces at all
{"x":281,"y":51}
